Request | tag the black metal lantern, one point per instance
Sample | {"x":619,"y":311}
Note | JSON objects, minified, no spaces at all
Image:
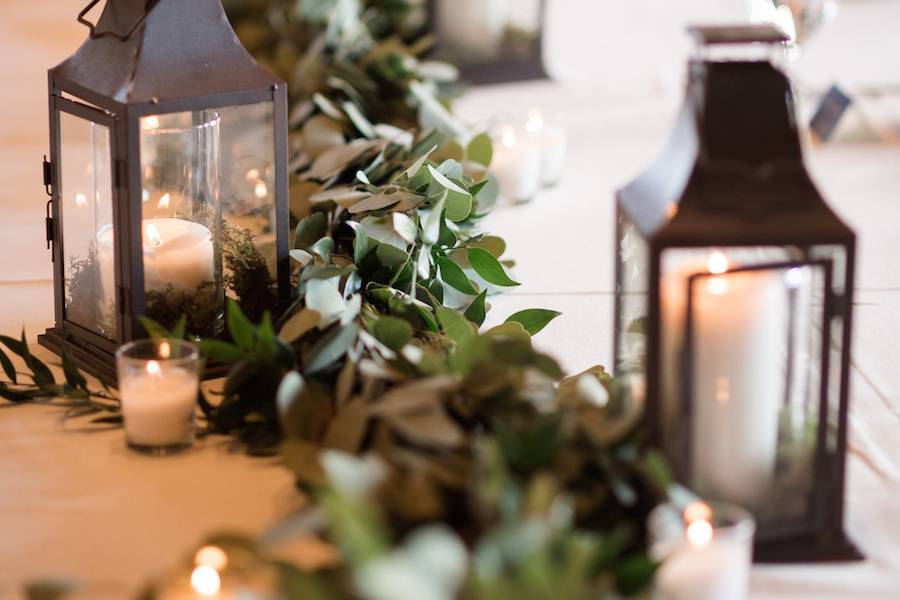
{"x":167,"y":176}
{"x":734,"y":290}
{"x":492,"y":41}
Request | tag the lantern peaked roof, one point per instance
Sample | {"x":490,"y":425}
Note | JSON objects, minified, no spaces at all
{"x":733,"y":166}
{"x":149,"y":51}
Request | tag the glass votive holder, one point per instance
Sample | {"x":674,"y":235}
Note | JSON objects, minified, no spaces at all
{"x":158,"y":385}
{"x":706,"y":551}
{"x":547,"y":133}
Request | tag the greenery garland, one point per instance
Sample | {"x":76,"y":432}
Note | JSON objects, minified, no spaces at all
{"x":441,"y":457}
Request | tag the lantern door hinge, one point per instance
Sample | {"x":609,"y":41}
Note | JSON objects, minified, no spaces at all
{"x":48,"y":176}
{"x":120,"y":174}
{"x":124,"y":308}
{"x":50,"y":225}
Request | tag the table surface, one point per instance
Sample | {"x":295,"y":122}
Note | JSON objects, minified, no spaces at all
{"x":75,"y":503}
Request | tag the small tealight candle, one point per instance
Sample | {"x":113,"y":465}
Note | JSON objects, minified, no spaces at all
{"x":158,"y":387}
{"x":551,"y":140}
{"x":706,"y":551}
{"x":517,"y":166}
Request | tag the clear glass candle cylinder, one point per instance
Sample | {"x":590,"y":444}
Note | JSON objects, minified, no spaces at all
{"x":705,"y":549}
{"x":182,"y":219}
{"x":158,"y":386}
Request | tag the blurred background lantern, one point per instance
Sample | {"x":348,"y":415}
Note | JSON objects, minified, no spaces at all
{"x":734,"y":290}
{"x":167,"y":175}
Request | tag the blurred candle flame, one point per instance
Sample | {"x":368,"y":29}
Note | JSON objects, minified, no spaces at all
{"x":535,"y":121}
{"x":717,"y":263}
{"x":252,"y":174}
{"x":153,"y":235}
{"x":151,"y":122}
{"x":165,"y":349}
{"x":206,"y":581}
{"x":153,"y":368}
{"x":261,"y":190}
{"x":508,"y":137}
{"x":80,"y":200}
{"x":699,"y":531}
{"x":164,"y":201}
{"x":211,"y":556}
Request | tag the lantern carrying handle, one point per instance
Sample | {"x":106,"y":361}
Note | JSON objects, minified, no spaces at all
{"x":101,"y":34}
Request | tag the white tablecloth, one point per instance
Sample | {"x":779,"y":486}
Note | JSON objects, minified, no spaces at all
{"x":78,"y":504}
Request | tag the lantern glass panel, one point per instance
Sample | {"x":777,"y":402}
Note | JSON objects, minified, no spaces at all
{"x":632,"y":295}
{"x":86,"y":209}
{"x":182,"y":219}
{"x":742,"y":341}
{"x":248,"y":178}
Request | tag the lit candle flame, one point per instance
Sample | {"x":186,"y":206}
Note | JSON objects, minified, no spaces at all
{"x":80,"y":200}
{"x":535,"y":121}
{"x":206,"y":581}
{"x":151,"y":122}
{"x":153,"y":368}
{"x":164,"y":201}
{"x":211,"y":556}
{"x":717,"y":263}
{"x":508,"y":137}
{"x":252,"y":174}
{"x":153,"y":235}
{"x":261,"y":190}
{"x":145,"y":195}
{"x":699,"y":531}
{"x":165,"y":349}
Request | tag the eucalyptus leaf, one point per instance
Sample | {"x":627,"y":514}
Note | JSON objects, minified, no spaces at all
{"x":533,"y":319}
{"x":310,"y":230}
{"x":480,"y":149}
{"x":489,"y":268}
{"x":299,"y":324}
{"x":457,"y":327}
{"x":392,"y":332}
{"x":330,"y":348}
{"x":454,"y":276}
{"x":477,"y":311}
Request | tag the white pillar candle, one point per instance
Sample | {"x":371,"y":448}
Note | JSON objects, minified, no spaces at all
{"x":177,"y":252}
{"x":707,"y":562}
{"x":737,"y":371}
{"x":517,"y":166}
{"x":158,"y":405}
{"x":551,"y":140}
{"x":475,"y":27}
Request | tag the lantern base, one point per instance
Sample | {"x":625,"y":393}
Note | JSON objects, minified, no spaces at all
{"x":807,"y":549}
{"x":94,"y":361}
{"x":98,"y":362}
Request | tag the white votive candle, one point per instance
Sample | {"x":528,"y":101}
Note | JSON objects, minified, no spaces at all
{"x":158,"y":387}
{"x":551,"y":140}
{"x":517,"y":166}
{"x":706,"y":554}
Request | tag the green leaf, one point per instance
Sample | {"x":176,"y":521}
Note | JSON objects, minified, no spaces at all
{"x":476,"y":312}
{"x":533,"y":319}
{"x":480,"y":149}
{"x":359,"y":120}
{"x":240,"y":328}
{"x":178,"y":332}
{"x":451,"y":169}
{"x":324,"y":247}
{"x":656,"y":470}
{"x":153,"y":329}
{"x":459,"y":201}
{"x":431,"y":228}
{"x":360,"y":241}
{"x":489,"y":268}
{"x":41,"y":373}
{"x":392,"y":332}
{"x":414,"y":168}
{"x":73,"y":376}
{"x":454,"y":276}
{"x":8,"y":366}
{"x":221,"y":351}
{"x":458,"y":328}
{"x":329,"y":348}
{"x":634,"y":573}
{"x":310,"y":230}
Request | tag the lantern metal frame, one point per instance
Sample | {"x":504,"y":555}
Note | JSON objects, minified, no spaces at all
{"x":140,"y":59}
{"x":697,"y":195}
{"x":503,"y":69}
